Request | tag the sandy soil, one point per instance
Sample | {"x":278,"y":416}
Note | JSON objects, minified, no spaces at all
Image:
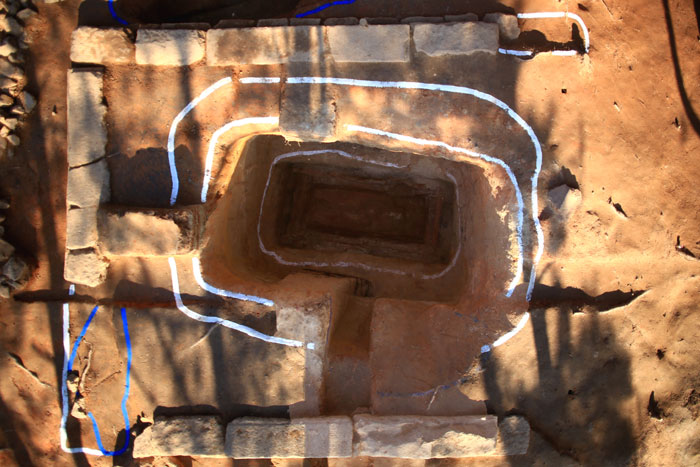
{"x":602,"y":381}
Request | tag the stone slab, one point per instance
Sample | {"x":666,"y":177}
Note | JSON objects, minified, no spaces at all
{"x":370,"y":44}
{"x":265,"y":45}
{"x":88,"y":186}
{"x":341,"y":21}
{"x":103,"y":46}
{"x":145,"y":233}
{"x":420,"y":437}
{"x":81,"y":228}
{"x":260,"y":438}
{"x":85,"y":267}
{"x":197,"y":435}
{"x":172,"y":47}
{"x":507,"y":25}
{"x":307,"y":113}
{"x":438,"y":40}
{"x":461,"y":18}
{"x":87,"y":135}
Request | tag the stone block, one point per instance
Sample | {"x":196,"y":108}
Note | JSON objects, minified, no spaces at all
{"x":461,"y":18}
{"x":564,"y":200}
{"x":507,"y":25}
{"x":6,"y":250}
{"x":438,"y":40}
{"x":104,"y":46}
{"x":264,"y":46}
{"x":420,"y":437}
{"x":81,"y":228}
{"x":260,"y":438}
{"x":370,"y":44}
{"x":88,"y":185}
{"x":235,"y":23}
{"x":173,"y":47}
{"x":307,"y":113}
{"x":304,"y":21}
{"x":267,"y":22}
{"x":146,"y":233}
{"x":85,"y":267}
{"x":341,"y":21}
{"x":379,"y":20}
{"x":422,"y":19}
{"x":198,"y":435}
{"x":87,"y":135}
{"x":513,"y":436}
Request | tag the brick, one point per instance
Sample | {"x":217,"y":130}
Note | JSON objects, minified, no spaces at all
{"x":264,"y":46}
{"x":81,"y":228}
{"x":421,"y":437}
{"x":235,"y":23}
{"x":341,"y":21}
{"x":198,"y":435}
{"x":87,"y":135}
{"x":507,"y":25}
{"x":85,"y":267}
{"x":304,"y":21}
{"x":173,"y":47}
{"x":103,"y":46}
{"x":145,"y":233}
{"x":368,"y":44}
{"x":260,"y":438}
{"x":438,"y":40}
{"x":380,"y":20}
{"x":307,"y":113}
{"x":88,"y":186}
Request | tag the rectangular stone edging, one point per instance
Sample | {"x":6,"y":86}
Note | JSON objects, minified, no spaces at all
{"x":340,"y":437}
{"x":302,"y":41}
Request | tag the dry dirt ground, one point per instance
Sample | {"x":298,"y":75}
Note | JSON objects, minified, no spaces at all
{"x":607,"y":371}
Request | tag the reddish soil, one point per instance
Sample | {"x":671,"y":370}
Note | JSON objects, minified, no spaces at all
{"x":605,"y":374}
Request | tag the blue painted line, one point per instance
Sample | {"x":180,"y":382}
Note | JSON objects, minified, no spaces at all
{"x":127,"y":384}
{"x":323,"y":7}
{"x":114,"y":13}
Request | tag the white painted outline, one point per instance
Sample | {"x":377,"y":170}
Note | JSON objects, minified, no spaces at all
{"x":214,"y":139}
{"x":197,"y":272}
{"x":281,"y":260}
{"x":224,"y":322}
{"x":64,"y":388}
{"x":547,"y":15}
{"x":173,"y":130}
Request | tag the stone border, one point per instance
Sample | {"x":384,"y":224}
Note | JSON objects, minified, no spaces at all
{"x":279,"y":41}
{"x":403,"y":436}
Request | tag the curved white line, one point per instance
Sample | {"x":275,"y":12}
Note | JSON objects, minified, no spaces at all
{"x":215,"y":137}
{"x":281,"y":260}
{"x":485,"y":157}
{"x":173,"y":129}
{"x":507,"y":336}
{"x":197,"y":271}
{"x":224,"y":322}
{"x":517,"y":53}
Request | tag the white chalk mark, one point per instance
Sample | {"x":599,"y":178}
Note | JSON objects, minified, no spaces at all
{"x":173,"y":130}
{"x":485,"y":157}
{"x":561,"y":14}
{"x":215,"y":137}
{"x":64,"y":388}
{"x":259,"y":80}
{"x":343,"y":264}
{"x":197,"y":271}
{"x":224,"y":322}
{"x":517,"y":53}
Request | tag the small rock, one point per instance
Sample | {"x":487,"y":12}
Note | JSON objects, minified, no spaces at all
{"x":28,"y":101}
{"x":4,"y":131}
{"x":564,"y":199}
{"x":15,"y":269}
{"x":10,"y":25}
{"x":6,"y":100}
{"x":18,"y":110}
{"x":10,"y":70}
{"x":2,"y":230}
{"x":6,"y":49}
{"x":10,"y":123}
{"x":26,"y":14}
{"x":2,"y":218}
{"x":4,"y":204}
{"x":16,"y":58}
{"x":13,"y":140}
{"x":78,"y":410}
{"x":72,"y":381}
{"x":4,"y":291}
{"x":6,"y":250}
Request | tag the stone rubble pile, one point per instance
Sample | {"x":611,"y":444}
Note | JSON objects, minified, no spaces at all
{"x":15,"y":103}
{"x":14,"y":271}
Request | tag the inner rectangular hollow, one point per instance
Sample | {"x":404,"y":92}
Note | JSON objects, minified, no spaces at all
{"x":383,"y":212}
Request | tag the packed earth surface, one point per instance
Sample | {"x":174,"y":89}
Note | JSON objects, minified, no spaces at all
{"x":401,"y":221}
